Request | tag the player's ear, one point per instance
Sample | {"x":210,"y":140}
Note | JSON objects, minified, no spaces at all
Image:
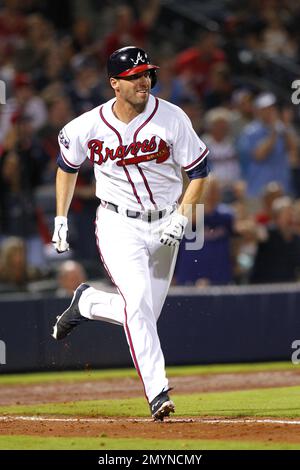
{"x":114,"y":83}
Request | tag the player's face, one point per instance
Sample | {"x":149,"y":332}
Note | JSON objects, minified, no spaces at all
{"x":134,"y":89}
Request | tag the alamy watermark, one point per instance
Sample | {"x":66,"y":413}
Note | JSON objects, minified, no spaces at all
{"x":295,"y":97}
{"x":2,"y":92}
{"x":296,"y":354}
{"x":194,"y":232}
{"x":2,"y":352}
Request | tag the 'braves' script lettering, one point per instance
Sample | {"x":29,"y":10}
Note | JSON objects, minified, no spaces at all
{"x":139,"y":152}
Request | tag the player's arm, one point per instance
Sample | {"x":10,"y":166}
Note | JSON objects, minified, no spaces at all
{"x":69,"y":160}
{"x":65,"y":186}
{"x":193,"y":195}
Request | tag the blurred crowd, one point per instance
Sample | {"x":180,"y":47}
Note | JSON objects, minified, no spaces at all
{"x":53,"y":65}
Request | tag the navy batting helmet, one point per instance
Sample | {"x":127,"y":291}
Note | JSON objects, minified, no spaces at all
{"x":129,"y":61}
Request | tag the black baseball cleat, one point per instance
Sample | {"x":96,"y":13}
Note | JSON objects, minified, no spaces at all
{"x":161,"y":406}
{"x":71,"y":317}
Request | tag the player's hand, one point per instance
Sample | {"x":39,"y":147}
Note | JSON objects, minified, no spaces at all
{"x":174,"y":230}
{"x":60,"y":234}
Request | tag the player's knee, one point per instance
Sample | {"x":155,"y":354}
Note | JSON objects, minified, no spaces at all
{"x":139,"y":307}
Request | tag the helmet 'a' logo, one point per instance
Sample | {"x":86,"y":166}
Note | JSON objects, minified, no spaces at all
{"x":139,"y":58}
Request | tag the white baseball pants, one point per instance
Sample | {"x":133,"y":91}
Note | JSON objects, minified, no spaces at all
{"x":142,"y":269}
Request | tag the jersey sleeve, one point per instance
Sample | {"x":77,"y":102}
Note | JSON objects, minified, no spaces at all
{"x":189,"y":149}
{"x":72,"y":154}
{"x":201,"y":170}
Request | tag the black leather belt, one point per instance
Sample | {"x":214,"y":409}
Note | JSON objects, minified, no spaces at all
{"x":149,"y":216}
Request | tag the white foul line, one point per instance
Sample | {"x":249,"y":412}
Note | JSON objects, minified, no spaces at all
{"x":144,"y":420}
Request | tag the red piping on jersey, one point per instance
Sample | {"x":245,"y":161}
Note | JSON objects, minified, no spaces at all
{"x":147,"y":120}
{"x":198,"y":160}
{"x":133,"y":187}
{"x":68,"y":163}
{"x":125,"y":169}
{"x":110,"y":126}
{"x":134,"y":141}
{"x":127,"y":331}
{"x":147,"y":186}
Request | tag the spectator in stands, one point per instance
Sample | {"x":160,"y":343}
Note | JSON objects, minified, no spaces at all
{"x":239,"y":201}
{"x":82,"y":37}
{"x":28,"y":103}
{"x":243,"y":112}
{"x":70,"y":275}
{"x":40,"y":39}
{"x":220,"y":87}
{"x":7,"y":67}
{"x":297,"y":216}
{"x":59,"y":113}
{"x":24,"y":103}
{"x":169,"y":87}
{"x":23,"y":140}
{"x":213,"y":263}
{"x":271,"y":192}
{"x":128,"y":30}
{"x":278,"y":254}
{"x":12,"y":23}
{"x":266,"y":147}
{"x":55,"y":67}
{"x":288,"y":119}
{"x":193,"y":108}
{"x":85,"y":89}
{"x":223,"y":157}
{"x":245,"y":243}
{"x":18,"y":216}
{"x":14,"y":271}
{"x":277,"y":41}
{"x":195,"y":64}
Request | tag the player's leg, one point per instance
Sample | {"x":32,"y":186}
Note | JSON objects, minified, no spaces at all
{"x":162,"y":263}
{"x":96,"y":304}
{"x":125,"y":256}
{"x":89,"y":304}
{"x":162,"y":260}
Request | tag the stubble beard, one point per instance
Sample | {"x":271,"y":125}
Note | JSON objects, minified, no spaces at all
{"x":139,"y":105}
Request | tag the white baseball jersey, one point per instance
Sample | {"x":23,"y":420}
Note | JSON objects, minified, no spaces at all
{"x":137,"y":165}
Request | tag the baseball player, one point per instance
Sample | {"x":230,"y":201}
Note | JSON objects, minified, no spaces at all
{"x":138,"y":145}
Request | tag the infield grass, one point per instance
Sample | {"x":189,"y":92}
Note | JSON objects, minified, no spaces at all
{"x":73,"y":376}
{"x":271,"y":402}
{"x":94,"y":443}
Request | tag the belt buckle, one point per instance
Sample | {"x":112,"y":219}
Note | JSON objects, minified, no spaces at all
{"x":145,"y":216}
{"x":152,"y":216}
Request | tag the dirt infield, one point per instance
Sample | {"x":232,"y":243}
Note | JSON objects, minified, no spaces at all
{"x":267,"y":430}
{"x":130,"y":387}
{"x":173,"y":428}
